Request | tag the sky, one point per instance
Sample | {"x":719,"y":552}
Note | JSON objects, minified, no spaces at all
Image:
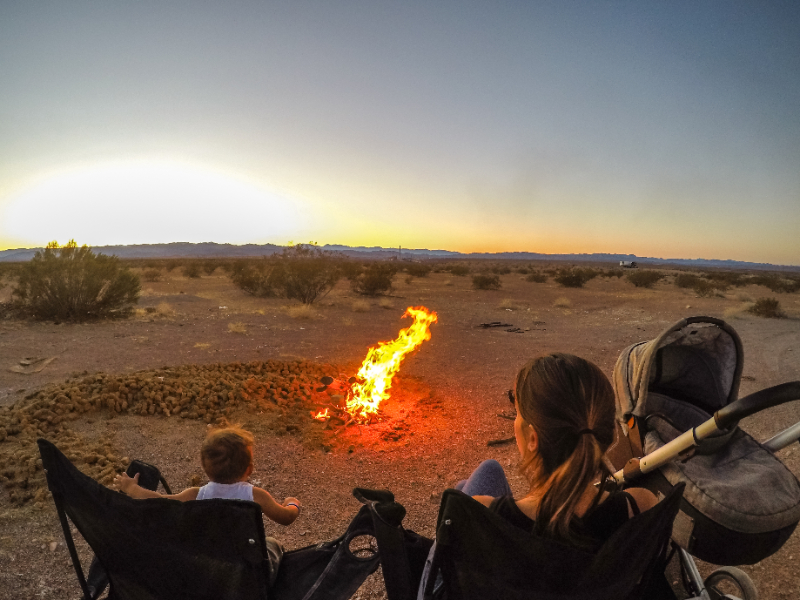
{"x":662,"y":129}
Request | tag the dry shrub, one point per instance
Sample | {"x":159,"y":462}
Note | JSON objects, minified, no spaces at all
{"x":360,"y":306}
{"x":152,"y":275}
{"x":192,"y":270}
{"x":348,"y":321}
{"x":736,"y":312}
{"x":258,"y":278}
{"x":645,"y":279}
{"x":486,"y":282}
{"x":743,"y":297}
{"x":302,"y":312}
{"x":776,"y":283}
{"x":210,"y":266}
{"x":165,"y":309}
{"x":536,"y":277}
{"x":562,"y":302}
{"x":459,"y":270}
{"x":768,"y":308}
{"x":574,"y":278}
{"x":202,"y":346}
{"x":375,"y":279}
{"x":237,"y":327}
{"x":385,"y":303}
{"x":613,"y":273}
{"x":74,"y":284}
{"x":409,"y":279}
{"x":448,"y":282}
{"x":418,"y":269}
{"x":509,"y":304}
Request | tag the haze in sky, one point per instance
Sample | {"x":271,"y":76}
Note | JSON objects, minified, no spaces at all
{"x":667,"y":129}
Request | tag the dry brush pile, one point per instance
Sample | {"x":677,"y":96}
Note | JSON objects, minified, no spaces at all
{"x":285,"y":391}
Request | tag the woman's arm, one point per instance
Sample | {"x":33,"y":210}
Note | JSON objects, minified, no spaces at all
{"x":645,"y":499}
{"x":131,"y":487}
{"x":283,"y":514}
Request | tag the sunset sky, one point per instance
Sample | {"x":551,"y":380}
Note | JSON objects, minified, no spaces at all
{"x":664,"y":129}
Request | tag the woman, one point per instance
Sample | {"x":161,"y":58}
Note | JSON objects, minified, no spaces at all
{"x":564,"y":425}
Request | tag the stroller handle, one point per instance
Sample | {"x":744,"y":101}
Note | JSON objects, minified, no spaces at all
{"x":723,"y":419}
{"x":730,"y":415}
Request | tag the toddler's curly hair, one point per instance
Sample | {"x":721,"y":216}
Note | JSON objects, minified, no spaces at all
{"x":227,"y":454}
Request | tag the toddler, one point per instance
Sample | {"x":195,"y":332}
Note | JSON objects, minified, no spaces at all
{"x":227,"y":458}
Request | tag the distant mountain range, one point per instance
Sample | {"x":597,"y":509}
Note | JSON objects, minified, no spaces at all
{"x":214,"y":250}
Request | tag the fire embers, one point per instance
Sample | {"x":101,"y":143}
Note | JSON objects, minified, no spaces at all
{"x":363,"y":393}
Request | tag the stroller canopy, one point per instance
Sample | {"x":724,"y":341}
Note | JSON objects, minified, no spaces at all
{"x":698,"y":359}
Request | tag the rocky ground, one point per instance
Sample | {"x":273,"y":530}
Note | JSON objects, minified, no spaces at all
{"x":206,"y":336}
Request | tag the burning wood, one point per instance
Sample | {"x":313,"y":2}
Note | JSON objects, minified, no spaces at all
{"x":371,"y":385}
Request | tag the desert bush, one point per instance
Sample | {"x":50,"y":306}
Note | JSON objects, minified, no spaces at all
{"x":523,"y":270}
{"x":574,"y":278}
{"x":74,"y":284}
{"x":376,"y":279}
{"x":351,"y":269}
{"x":191,"y":270}
{"x":210,"y":266}
{"x":701,"y":286}
{"x":501,"y":270}
{"x":645,"y":278}
{"x":418,"y":269}
{"x":725,"y":279}
{"x":255,"y":277}
{"x":237,"y":327}
{"x":386,"y":303}
{"x":459,"y":270}
{"x":767,"y":307}
{"x":303,"y":312}
{"x":562,"y":302}
{"x":152,"y":275}
{"x":305,"y":272}
{"x":687,"y":280}
{"x":536,"y":278}
{"x":172,"y":265}
{"x":776,"y":284}
{"x":486,"y":282}
{"x":614,"y":273}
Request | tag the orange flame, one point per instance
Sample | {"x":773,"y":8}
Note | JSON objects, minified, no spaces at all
{"x":382,"y":362}
{"x":321,"y":415}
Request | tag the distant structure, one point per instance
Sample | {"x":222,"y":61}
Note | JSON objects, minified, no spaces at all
{"x":627,"y":264}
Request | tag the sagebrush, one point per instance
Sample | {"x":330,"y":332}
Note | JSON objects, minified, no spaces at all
{"x":486,"y":282}
{"x":71,"y":283}
{"x":645,"y":278}
{"x":769,"y":308}
{"x":375,"y":279}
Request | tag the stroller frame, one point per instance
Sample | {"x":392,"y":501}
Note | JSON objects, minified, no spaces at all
{"x":721,"y":423}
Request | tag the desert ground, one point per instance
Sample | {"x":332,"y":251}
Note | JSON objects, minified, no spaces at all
{"x":448,"y":399}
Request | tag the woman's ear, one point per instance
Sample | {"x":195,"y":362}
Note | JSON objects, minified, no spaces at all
{"x":531,"y":439}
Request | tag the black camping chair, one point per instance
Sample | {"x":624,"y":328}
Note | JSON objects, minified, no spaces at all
{"x":208,"y":549}
{"x":480,"y":555}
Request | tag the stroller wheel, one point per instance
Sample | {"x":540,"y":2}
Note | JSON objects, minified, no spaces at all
{"x":730,"y":583}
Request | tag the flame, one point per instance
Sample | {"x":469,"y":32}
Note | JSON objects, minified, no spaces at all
{"x":382,"y":362}
{"x":321,"y":415}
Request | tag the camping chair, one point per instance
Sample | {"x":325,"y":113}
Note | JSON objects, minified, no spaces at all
{"x":480,"y":555}
{"x":207,"y":549}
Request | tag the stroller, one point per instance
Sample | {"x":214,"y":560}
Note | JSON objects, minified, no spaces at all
{"x":677,"y":422}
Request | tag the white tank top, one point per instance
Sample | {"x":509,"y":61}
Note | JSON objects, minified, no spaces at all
{"x":229,"y":491}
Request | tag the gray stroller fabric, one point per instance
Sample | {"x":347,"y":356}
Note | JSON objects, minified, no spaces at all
{"x":742,"y":486}
{"x":696,"y":361}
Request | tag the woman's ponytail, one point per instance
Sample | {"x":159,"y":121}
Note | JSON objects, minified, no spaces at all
{"x":569,"y":403}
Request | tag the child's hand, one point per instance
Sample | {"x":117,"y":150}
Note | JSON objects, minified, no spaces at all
{"x":125,"y":483}
{"x":292,"y":502}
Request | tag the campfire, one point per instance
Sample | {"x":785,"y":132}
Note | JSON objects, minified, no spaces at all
{"x":370,"y":386}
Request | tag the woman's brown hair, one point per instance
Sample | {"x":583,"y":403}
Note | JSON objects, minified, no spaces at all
{"x":569,"y":402}
{"x":227,"y":454}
